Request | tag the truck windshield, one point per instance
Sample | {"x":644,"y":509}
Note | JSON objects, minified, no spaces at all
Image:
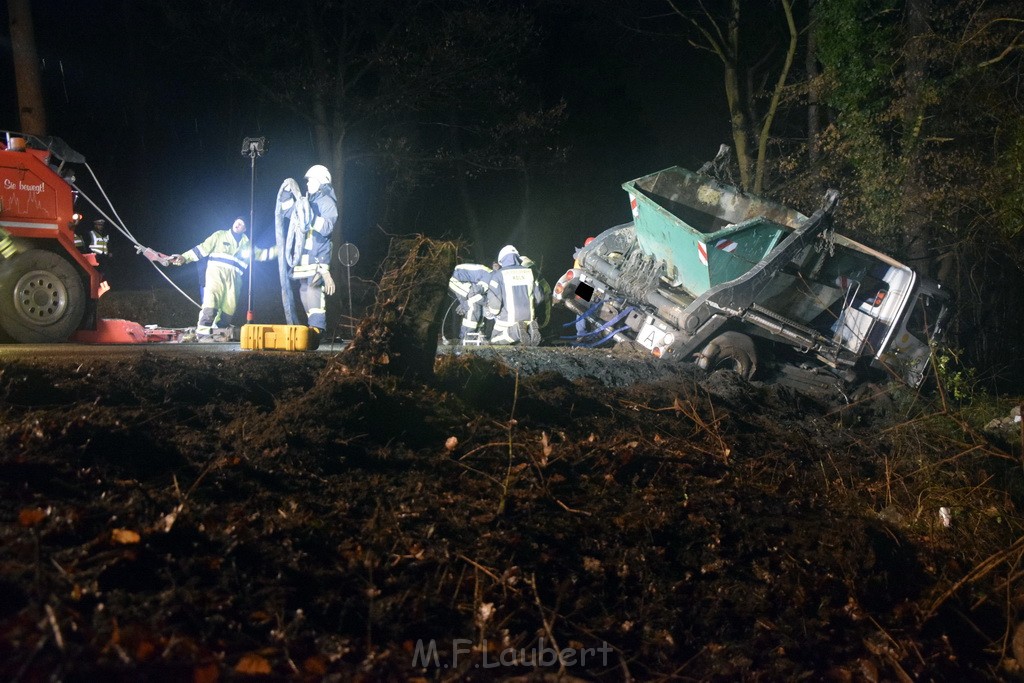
{"x":925,"y":319}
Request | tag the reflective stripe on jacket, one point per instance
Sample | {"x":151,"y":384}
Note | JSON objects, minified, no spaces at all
{"x":223,"y":249}
{"x":511,"y":293}
{"x":323,"y":209}
{"x":469,"y":278}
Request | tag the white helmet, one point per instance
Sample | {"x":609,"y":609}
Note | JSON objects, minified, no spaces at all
{"x":319,"y":174}
{"x":507,"y":250}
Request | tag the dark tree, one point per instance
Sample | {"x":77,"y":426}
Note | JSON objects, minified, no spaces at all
{"x":408,"y":88}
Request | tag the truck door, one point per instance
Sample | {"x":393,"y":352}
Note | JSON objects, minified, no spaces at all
{"x":911,"y":346}
{"x":872,"y":300}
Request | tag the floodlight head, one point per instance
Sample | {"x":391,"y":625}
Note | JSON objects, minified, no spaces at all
{"x":254,"y":147}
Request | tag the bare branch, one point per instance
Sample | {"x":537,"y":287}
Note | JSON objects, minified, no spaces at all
{"x":1014,"y":45}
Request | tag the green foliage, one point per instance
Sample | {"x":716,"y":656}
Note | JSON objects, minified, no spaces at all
{"x":1010,"y":176}
{"x":857,"y":47}
{"x":959,"y":381}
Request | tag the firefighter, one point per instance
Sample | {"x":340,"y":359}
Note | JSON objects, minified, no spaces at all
{"x":468,"y":285}
{"x":542,"y":308}
{"x":227,"y":256}
{"x":311,"y":226}
{"x":511,"y":295}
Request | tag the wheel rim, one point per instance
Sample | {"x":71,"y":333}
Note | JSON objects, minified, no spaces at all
{"x":729,"y":363}
{"x":40,"y":297}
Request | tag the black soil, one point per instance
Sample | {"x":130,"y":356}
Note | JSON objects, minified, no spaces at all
{"x":281,"y":516}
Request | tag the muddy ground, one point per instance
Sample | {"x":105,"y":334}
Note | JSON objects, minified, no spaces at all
{"x":266,"y":515}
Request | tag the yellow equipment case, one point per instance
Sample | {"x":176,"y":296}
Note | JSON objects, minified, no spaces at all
{"x":281,"y":337}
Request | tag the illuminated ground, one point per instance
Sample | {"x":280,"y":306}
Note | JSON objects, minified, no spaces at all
{"x":207,"y":516}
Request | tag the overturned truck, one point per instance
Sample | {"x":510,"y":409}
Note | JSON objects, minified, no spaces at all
{"x":707,"y":272}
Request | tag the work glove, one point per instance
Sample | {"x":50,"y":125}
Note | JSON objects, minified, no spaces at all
{"x":328,"y":282}
{"x":289,"y":191}
{"x":157,"y":257}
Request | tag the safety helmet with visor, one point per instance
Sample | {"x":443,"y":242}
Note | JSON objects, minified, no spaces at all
{"x":316,"y":176}
{"x":508,"y":256}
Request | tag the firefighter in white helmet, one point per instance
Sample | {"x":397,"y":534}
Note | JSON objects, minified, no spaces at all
{"x":511,"y":296}
{"x":311,"y":227}
{"x":227,"y":256}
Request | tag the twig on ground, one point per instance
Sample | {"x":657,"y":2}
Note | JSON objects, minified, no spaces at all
{"x":978,"y":572}
{"x":508,"y":471}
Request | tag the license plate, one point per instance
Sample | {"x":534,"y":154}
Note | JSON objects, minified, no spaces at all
{"x":584,"y":291}
{"x":651,"y":336}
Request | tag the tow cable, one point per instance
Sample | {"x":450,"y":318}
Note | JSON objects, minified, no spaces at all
{"x":153,"y":256}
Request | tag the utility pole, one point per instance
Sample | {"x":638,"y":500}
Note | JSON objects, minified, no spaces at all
{"x":26,"y":68}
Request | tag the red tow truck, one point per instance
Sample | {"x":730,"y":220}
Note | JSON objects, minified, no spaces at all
{"x":48,"y":287}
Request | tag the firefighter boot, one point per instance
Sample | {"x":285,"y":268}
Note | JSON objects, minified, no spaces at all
{"x":204,"y":328}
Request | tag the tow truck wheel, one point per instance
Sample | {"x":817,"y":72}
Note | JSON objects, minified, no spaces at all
{"x":42,"y":298}
{"x":730,"y":351}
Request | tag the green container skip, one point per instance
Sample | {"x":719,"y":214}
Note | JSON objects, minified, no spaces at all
{"x":706,"y":232}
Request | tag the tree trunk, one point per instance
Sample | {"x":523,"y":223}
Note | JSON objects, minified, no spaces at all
{"x":337,"y":167}
{"x":734,"y":97}
{"x":916,"y":238}
{"x":399,"y":335}
{"x":26,"y":68}
{"x":813,"y":100}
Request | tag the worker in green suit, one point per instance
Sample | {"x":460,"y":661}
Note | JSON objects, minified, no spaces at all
{"x":227,"y":256}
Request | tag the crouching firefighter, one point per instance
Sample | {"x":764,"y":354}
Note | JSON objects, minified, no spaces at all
{"x":308,"y":248}
{"x":511,"y":295}
{"x":468,"y":284}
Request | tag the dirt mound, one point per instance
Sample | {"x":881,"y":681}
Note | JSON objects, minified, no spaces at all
{"x":280,"y":515}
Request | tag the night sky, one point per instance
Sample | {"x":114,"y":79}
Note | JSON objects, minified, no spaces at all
{"x":164,"y":135}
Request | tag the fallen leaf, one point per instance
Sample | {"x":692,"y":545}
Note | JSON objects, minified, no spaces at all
{"x":206,"y":673}
{"x":484,"y":613}
{"x":259,"y":617}
{"x":314,"y":666}
{"x":124,"y":536}
{"x":253,"y":665}
{"x":145,"y":650}
{"x":29,"y":517}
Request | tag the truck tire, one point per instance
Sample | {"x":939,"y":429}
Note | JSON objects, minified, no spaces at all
{"x":42,"y":297}
{"x":730,"y":351}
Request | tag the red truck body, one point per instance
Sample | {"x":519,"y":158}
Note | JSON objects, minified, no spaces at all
{"x":48,"y":287}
